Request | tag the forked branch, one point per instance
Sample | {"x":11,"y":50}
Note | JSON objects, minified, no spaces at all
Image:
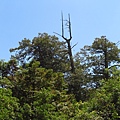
{"x":68,"y":41}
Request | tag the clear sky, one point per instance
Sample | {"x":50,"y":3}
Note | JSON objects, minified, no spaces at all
{"x":21,"y":19}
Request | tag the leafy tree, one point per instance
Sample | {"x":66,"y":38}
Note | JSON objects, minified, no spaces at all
{"x":48,"y":50}
{"x":92,"y":64}
{"x":9,"y":106}
{"x":8,"y":68}
{"x":42,"y":93}
{"x":33,"y":78}
{"x":106,"y":99}
{"x":77,"y":85}
{"x":97,"y":58}
{"x":38,"y":87}
{"x":7,"y":71}
{"x":52,"y":54}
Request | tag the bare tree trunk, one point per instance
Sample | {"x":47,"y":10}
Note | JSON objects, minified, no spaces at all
{"x":68,"y":43}
{"x":71,"y":57}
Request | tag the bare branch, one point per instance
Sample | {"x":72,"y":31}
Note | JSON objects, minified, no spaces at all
{"x":62,"y":24}
{"x":68,"y":24}
{"x":74,"y":45}
{"x":57,"y":34}
{"x":70,"y":27}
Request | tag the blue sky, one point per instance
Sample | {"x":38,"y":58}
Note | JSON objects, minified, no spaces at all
{"x":21,"y":19}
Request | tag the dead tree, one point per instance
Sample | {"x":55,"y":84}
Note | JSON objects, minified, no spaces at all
{"x":68,"y":42}
{"x":68,"y":24}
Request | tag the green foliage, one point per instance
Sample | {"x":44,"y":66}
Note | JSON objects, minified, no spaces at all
{"x":48,"y":50}
{"x":77,"y":86}
{"x":9,"y":106}
{"x":106,"y":100}
{"x":5,"y":83}
{"x":42,"y":92}
{"x":98,"y":57}
{"x":42,"y":87}
{"x":53,"y":104}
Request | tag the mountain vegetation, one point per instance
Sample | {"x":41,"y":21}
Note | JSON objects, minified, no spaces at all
{"x":37,"y":82}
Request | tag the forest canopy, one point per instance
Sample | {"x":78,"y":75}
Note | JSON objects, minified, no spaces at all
{"x":37,"y":82}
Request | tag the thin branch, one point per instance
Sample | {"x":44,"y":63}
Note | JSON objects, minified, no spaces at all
{"x":74,"y":45}
{"x":70,"y":26}
{"x":57,"y":34}
{"x":62,"y":25}
{"x":68,"y":40}
{"x":113,"y":66}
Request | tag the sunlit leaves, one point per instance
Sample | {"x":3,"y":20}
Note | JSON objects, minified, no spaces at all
{"x":8,"y":105}
{"x":46,"y":49}
{"x":106,"y":100}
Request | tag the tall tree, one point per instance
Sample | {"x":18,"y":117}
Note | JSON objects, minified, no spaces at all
{"x":68,"y":40}
{"x":42,"y":93}
{"x":48,"y":50}
{"x":106,"y":99}
{"x":97,"y":58}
